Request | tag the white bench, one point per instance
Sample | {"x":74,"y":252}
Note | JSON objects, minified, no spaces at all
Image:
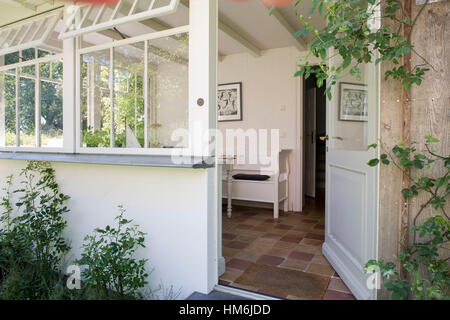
{"x":274,"y":190}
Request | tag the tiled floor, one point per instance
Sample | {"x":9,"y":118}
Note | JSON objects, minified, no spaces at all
{"x":294,"y":242}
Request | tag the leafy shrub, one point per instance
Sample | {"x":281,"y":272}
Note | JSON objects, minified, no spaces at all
{"x":31,"y":242}
{"x":112,"y":271}
{"x":427,"y":272}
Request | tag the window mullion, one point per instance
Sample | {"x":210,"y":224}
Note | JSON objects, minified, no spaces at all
{"x":17,"y":108}
{"x":37,"y":104}
{"x":146,"y":94}
{"x":111,"y":96}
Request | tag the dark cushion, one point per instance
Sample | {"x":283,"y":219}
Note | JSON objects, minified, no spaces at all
{"x":256,"y":177}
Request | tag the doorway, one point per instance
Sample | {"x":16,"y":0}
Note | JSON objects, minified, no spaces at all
{"x":314,"y":143}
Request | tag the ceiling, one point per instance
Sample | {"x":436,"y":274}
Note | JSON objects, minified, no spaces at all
{"x":243,"y":26}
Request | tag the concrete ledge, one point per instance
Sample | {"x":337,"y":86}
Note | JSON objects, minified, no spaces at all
{"x":127,"y":160}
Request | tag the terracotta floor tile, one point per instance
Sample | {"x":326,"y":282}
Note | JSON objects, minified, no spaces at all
{"x":271,"y":236}
{"x":304,"y":256}
{"x":320,"y":269}
{"x":338,"y":285}
{"x":320,"y":259}
{"x":228,"y":236}
{"x":244,"y":226}
{"x":247,"y":255}
{"x":229,"y":252}
{"x":279,"y":252}
{"x":285,"y":245}
{"x":309,"y":249}
{"x":311,"y":235}
{"x":293,"y":239}
{"x":270,"y":260}
{"x":238,"y":264}
{"x":283,"y":226}
{"x":312,"y":242}
{"x":231,"y":274}
{"x":336,"y":295}
{"x":236,"y":244}
{"x":294,"y":264}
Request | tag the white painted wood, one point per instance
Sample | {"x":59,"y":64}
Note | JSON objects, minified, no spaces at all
{"x":27,"y":33}
{"x":299,"y":43}
{"x":73,"y":29}
{"x":310,"y":143}
{"x":274,"y":190}
{"x":351,"y":196}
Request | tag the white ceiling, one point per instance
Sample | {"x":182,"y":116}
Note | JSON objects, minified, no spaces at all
{"x":249,"y":20}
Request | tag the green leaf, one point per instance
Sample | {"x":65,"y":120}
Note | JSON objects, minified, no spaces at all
{"x":373,"y":162}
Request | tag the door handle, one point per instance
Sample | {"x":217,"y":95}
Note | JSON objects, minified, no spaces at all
{"x":323,"y":138}
{"x":338,"y":138}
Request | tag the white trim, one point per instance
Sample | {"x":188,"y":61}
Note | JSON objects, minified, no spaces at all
{"x":144,"y":37}
{"x":24,"y":28}
{"x":244,"y":293}
{"x":31,"y":62}
{"x":112,"y":22}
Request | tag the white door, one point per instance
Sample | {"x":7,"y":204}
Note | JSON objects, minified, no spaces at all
{"x":310,"y":143}
{"x":351,"y":185}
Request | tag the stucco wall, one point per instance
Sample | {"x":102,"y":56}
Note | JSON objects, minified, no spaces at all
{"x":169,"y":204}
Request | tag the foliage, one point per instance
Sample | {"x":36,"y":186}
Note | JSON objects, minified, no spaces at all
{"x":31,"y":242}
{"x":427,"y":270}
{"x":51,"y":96}
{"x":111,"y":268}
{"x":348,"y":31}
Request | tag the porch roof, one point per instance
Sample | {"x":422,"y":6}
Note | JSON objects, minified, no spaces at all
{"x":243,"y":26}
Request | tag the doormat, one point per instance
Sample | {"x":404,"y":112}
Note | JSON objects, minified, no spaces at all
{"x":285,"y":281}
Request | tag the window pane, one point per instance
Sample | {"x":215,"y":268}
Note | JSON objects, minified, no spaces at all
{"x":128,"y":96}
{"x":26,"y":113}
{"x":354,"y":103}
{"x":95,"y":99}
{"x":51,"y":114}
{"x":8,"y":102}
{"x":168,"y":92}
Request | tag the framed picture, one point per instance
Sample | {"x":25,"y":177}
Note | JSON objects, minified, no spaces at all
{"x":353,"y":103}
{"x":229,"y":102}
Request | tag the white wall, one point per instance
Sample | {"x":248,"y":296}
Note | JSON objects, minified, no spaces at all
{"x":174,"y":216}
{"x":271,"y":97}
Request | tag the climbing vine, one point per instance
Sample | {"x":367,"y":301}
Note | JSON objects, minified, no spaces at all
{"x":351,"y":35}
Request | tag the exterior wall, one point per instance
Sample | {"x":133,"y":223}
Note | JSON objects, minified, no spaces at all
{"x":429,"y":116}
{"x":169,"y":204}
{"x":271,"y":97}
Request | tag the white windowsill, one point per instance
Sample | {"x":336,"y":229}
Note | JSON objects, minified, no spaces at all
{"x":129,"y":160}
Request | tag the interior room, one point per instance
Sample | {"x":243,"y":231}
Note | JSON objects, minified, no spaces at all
{"x":272,"y":233}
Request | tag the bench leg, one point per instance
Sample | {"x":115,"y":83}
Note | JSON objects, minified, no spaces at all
{"x":286,"y":205}
{"x":275,"y":210}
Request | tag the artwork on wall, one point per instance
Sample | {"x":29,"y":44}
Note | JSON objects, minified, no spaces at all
{"x":353,"y":104}
{"x":229,"y":101}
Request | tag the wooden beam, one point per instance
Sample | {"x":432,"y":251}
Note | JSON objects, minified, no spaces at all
{"x":299,"y":42}
{"x":232,"y":32}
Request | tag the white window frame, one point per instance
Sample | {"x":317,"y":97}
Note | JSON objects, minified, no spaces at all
{"x":77,"y":17}
{"x":111,"y":45}
{"x":29,"y":30}
{"x":37,"y":104}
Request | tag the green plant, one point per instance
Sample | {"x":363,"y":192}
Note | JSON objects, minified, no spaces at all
{"x":31,"y":241}
{"x":108,"y":254}
{"x":348,"y":31}
{"x":424,"y":260}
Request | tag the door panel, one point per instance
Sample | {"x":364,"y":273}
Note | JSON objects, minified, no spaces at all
{"x":351,"y":185}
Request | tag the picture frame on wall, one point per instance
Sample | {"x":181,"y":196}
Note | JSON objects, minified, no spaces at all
{"x":353,"y":102}
{"x":229,"y":101}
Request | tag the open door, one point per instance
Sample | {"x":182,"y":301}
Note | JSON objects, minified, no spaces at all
{"x":310,"y":143}
{"x":351,"y":185}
